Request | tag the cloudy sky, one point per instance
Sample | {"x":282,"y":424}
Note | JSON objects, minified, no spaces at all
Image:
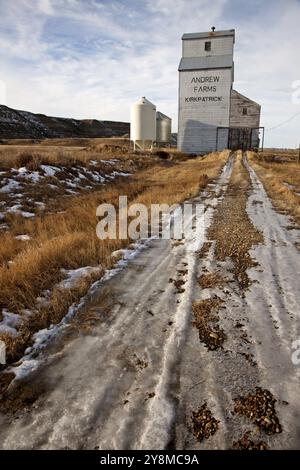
{"x":93,"y":58}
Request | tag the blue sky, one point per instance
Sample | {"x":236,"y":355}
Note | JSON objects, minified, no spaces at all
{"x":93,"y":58}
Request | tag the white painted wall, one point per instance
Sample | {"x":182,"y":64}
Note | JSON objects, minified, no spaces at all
{"x":202,"y":108}
{"x":219,"y":46}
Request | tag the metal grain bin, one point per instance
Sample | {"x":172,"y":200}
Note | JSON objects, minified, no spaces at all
{"x":163,"y":128}
{"x":143,"y":124}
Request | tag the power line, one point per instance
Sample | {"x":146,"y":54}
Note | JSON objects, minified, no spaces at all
{"x":282,"y":123}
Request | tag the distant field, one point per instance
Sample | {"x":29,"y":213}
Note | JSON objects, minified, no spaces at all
{"x":68,"y":151}
{"x":67,"y":142}
{"x":270,"y":154}
{"x":56,"y":150}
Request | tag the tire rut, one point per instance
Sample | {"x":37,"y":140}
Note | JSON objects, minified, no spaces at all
{"x":245,"y":363}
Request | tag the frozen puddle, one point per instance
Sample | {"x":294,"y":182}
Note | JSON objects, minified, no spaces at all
{"x":116,"y":387}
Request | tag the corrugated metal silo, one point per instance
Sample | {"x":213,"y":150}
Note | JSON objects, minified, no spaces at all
{"x":163,"y":128}
{"x":143,"y":124}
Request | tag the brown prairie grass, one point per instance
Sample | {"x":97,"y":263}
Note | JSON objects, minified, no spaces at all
{"x":61,"y":152}
{"x":70,"y":152}
{"x":68,"y":240}
{"x":279,"y":155}
{"x":33,"y":157}
{"x":66,"y":141}
{"x":281,"y":180}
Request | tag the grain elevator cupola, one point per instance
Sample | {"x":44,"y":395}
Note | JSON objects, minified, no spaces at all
{"x":213,"y":116}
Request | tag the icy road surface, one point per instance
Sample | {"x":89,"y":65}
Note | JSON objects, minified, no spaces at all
{"x":134,"y":380}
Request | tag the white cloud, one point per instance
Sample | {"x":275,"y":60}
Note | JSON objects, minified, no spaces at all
{"x":92,"y":59}
{"x":2,"y":92}
{"x":46,"y":7}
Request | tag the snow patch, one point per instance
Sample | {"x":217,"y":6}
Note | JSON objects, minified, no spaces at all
{"x":10,"y":186}
{"x":49,"y":170}
{"x":74,"y":275}
{"x":34,"y":176}
{"x":117,"y":253}
{"x":10,"y":322}
{"x":41,"y":205}
{"x":115,"y":174}
{"x":8,"y":330}
{"x":27,"y":367}
{"x":23,"y":238}
{"x":15,"y":209}
{"x":112,"y":161}
{"x":288,"y":185}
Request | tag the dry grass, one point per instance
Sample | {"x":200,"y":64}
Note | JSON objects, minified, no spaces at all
{"x":34,"y":155}
{"x":61,"y":152}
{"x":68,"y":240}
{"x":281,"y":179}
{"x":53,"y":190}
{"x":279,"y":155}
{"x":69,"y":152}
{"x":66,"y":141}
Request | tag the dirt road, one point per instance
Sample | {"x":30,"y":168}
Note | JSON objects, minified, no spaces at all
{"x":191,"y":330}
